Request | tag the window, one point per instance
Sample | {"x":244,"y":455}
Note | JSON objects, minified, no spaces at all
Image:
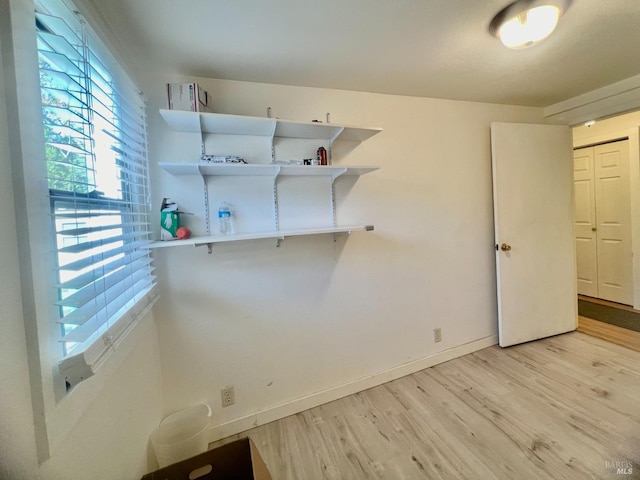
{"x":97,"y":175}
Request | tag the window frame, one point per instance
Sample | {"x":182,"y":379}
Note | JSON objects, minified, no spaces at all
{"x":56,"y":411}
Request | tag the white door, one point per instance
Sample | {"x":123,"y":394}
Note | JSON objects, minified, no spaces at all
{"x":613,"y":214}
{"x":603,"y":222}
{"x":585,"y":221}
{"x":533,"y":213}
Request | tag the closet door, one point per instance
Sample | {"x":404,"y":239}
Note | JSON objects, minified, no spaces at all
{"x":613,"y":214}
{"x":585,"y":221}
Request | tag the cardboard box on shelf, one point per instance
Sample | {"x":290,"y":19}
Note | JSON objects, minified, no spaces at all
{"x":239,"y":460}
{"x":188,"y":96}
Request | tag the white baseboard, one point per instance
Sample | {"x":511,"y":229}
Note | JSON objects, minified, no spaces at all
{"x":301,"y":404}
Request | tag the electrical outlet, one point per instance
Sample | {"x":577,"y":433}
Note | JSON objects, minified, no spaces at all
{"x":228,"y":396}
{"x":437,"y":335}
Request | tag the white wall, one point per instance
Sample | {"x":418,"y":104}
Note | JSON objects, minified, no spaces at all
{"x":606,"y":129}
{"x":282,"y":324}
{"x":627,"y":125}
{"x":110,"y":439}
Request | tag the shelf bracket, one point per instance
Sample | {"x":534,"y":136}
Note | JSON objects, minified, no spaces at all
{"x":331,"y":140}
{"x":278,"y":241}
{"x":334,"y":175}
{"x":200,"y":120}
{"x":336,"y":234}
{"x":209,"y":247}
{"x":273,"y":135}
{"x":205,"y":194}
{"x":337,"y":173}
{"x":276,"y":212}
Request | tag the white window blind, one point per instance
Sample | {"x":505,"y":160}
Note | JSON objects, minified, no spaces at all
{"x":97,"y":174}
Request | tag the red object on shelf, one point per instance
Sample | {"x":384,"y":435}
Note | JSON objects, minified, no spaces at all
{"x":183,"y":233}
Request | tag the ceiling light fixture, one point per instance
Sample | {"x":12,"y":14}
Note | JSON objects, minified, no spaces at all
{"x":525,"y":23}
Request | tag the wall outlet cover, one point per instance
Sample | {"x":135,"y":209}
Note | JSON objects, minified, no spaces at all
{"x":228,"y":396}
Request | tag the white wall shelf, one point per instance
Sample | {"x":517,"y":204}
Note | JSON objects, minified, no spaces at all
{"x":204,"y":124}
{"x":260,"y":169}
{"x":196,"y":122}
{"x":210,"y":240}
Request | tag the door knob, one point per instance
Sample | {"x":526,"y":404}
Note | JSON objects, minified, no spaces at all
{"x":505,"y":248}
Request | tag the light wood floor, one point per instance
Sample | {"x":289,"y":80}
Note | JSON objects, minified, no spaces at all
{"x":612,"y":333}
{"x":564,"y":407}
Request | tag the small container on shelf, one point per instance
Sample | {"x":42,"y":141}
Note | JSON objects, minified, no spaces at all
{"x":322,"y":156}
{"x":225,"y":217}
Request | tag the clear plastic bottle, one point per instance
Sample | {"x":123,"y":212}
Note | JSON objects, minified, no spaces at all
{"x":225,"y":217}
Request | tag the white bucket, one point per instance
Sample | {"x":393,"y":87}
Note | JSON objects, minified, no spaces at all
{"x":181,"y":435}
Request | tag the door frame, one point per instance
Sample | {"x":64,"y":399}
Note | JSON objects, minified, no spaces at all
{"x":633,"y":134}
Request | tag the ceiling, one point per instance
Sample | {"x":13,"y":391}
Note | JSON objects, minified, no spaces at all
{"x":429,"y":48}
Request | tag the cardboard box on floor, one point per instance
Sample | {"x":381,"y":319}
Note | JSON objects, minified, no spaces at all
{"x":239,"y":460}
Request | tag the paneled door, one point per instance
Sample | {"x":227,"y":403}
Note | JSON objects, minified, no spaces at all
{"x":603,"y":222}
{"x":533,"y":216}
{"x":585,"y":226}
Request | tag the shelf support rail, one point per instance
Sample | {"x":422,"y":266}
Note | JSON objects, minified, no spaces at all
{"x":272,"y":139}
{"x":276,"y":215}
{"x":207,"y":219}
{"x":334,"y":175}
{"x":200,"y":120}
{"x":276,"y":212}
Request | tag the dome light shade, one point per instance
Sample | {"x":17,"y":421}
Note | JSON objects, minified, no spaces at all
{"x":525,"y":23}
